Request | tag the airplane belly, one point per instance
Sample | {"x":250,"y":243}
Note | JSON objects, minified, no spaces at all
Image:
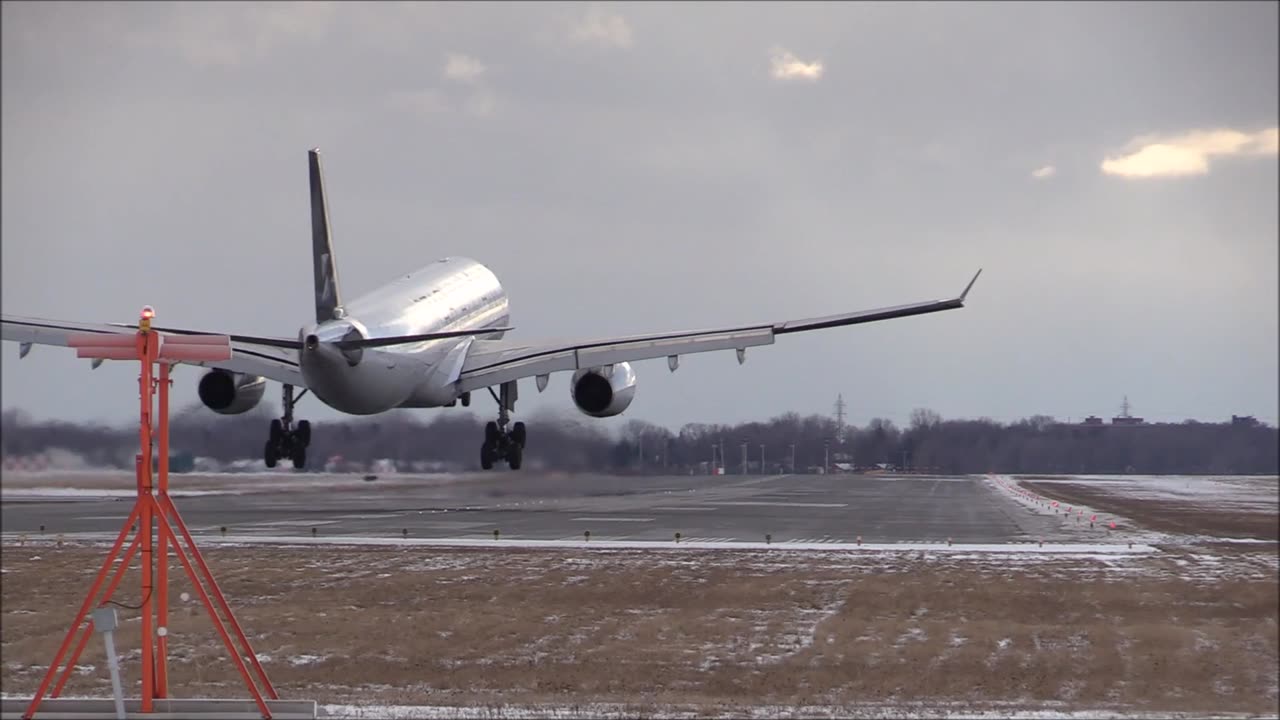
{"x":379,"y":382}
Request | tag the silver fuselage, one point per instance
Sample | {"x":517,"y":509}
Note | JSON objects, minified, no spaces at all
{"x":449,"y":294}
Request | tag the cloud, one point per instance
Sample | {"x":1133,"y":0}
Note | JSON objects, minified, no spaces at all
{"x":1189,"y":153}
{"x":787,"y":66}
{"x":601,"y":28}
{"x":1042,"y":173}
{"x":463,"y":68}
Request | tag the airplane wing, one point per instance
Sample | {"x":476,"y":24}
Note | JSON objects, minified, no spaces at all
{"x":251,"y":356}
{"x":493,"y":362}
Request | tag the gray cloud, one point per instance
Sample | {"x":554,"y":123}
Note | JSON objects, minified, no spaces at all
{"x":668,"y":181}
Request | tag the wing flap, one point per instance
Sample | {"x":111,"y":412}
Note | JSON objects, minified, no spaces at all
{"x":491,"y":362}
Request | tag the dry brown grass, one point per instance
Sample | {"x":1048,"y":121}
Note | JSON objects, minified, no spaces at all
{"x":707,"y":629}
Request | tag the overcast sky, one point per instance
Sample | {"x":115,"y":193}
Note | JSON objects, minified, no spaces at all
{"x":626,"y":168}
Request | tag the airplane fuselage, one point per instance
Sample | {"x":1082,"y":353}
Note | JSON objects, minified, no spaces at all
{"x":450,"y":294}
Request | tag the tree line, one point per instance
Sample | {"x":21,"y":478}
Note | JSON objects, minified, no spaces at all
{"x":785,"y":443}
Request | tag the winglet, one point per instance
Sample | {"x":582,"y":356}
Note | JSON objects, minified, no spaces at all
{"x":970,"y":285}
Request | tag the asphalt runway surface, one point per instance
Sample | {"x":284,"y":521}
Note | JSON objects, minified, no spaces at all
{"x":732,"y":508}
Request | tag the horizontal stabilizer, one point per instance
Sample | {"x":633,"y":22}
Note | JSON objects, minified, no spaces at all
{"x":356,"y":344}
{"x":362,"y":343}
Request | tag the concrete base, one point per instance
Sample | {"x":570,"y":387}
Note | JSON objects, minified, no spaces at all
{"x":168,"y":709}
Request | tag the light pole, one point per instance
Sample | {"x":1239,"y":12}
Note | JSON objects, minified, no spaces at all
{"x":793,"y":458}
{"x":744,"y":457}
{"x":826,"y":456}
{"x":762,"y":472}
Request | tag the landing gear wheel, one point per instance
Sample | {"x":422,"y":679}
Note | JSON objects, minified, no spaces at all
{"x":286,"y":440}
{"x":501,"y":444}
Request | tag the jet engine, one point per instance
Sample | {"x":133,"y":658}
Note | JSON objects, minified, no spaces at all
{"x":228,"y":393}
{"x":603,"y":391}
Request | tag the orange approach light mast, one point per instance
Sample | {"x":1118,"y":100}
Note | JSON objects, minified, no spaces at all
{"x":157,"y":520}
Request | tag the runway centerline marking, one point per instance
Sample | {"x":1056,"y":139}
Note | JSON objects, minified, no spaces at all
{"x":611,"y":519}
{"x":776,"y":503}
{"x":679,"y":509}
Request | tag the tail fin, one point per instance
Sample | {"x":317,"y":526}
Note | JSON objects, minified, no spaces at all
{"x":328,"y":297}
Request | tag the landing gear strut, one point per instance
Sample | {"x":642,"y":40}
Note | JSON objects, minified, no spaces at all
{"x":285,"y":440}
{"x":498,"y":443}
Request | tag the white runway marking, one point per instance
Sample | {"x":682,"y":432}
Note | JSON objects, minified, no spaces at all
{"x":294,"y":523}
{"x":611,"y":519}
{"x":684,"y":509}
{"x":776,"y":503}
{"x":607,"y":542}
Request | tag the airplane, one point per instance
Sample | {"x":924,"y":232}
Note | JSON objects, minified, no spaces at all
{"x":429,"y":339}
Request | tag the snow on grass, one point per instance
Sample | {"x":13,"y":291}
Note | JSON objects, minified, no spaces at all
{"x":1228,"y":491}
{"x":306,"y":659}
{"x":584,"y":711}
{"x":954,"y":711}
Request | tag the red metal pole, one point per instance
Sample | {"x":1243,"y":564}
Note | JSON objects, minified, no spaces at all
{"x":217,"y":621}
{"x":84,"y":610}
{"x":146,"y":353}
{"x":88,"y":628}
{"x":172,"y":511}
{"x":162,"y":579}
{"x":150,"y":513}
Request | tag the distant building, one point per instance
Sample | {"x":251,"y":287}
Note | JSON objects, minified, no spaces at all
{"x":1243,"y":421}
{"x":1092,"y":420}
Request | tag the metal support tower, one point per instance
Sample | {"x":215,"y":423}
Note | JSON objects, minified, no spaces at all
{"x":158,"y":523}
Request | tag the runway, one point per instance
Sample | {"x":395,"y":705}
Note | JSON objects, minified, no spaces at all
{"x":704,"y":509}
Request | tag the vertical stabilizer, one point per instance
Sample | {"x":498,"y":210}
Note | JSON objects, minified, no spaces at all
{"x":328,"y":298}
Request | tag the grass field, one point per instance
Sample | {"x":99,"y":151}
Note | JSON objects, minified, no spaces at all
{"x":1184,"y":630}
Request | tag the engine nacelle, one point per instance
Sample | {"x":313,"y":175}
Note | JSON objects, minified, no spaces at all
{"x":228,"y":393}
{"x":603,"y":391}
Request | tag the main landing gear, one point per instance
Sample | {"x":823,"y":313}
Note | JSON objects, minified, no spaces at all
{"x":498,"y":443}
{"x":285,"y":440}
